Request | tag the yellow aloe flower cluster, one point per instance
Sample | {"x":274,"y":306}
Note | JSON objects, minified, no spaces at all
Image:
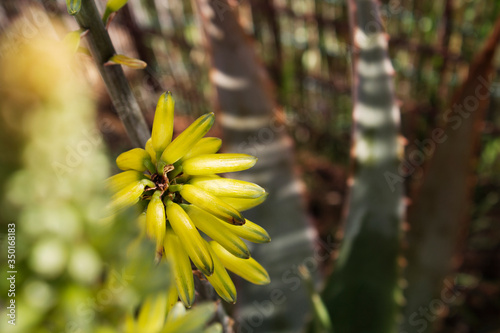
{"x":178,"y":182}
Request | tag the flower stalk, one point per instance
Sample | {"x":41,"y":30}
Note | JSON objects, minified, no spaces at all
{"x":102,"y":51}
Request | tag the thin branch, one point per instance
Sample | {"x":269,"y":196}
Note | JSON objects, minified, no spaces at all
{"x":117,"y":85}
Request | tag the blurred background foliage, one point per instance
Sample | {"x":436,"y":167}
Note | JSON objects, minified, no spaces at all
{"x":305,"y":46}
{"x":75,"y":270}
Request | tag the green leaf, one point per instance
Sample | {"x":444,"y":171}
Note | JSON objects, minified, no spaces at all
{"x":111,"y":7}
{"x":115,"y":5}
{"x":321,"y":318}
{"x":72,"y":40}
{"x":84,"y":50}
{"x":120,"y":59}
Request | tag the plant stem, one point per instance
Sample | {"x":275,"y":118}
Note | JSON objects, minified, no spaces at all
{"x":117,"y":85}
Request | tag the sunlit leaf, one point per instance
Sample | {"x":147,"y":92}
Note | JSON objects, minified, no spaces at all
{"x":120,"y":59}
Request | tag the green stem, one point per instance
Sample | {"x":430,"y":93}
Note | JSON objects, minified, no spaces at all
{"x":160,"y":166}
{"x":175,"y":172}
{"x":116,"y":83}
{"x":150,"y":166}
{"x":175,"y":188}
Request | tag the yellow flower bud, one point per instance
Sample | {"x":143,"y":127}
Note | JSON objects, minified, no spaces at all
{"x":217,"y":230}
{"x":163,"y":123}
{"x":226,"y":187}
{"x":250,"y":231}
{"x":135,"y":159}
{"x":178,"y":258}
{"x":149,"y":148}
{"x":156,"y":221}
{"x":190,"y":238}
{"x":242,"y":204}
{"x":218,"y":163}
{"x":248,"y":269}
{"x":190,"y":136}
{"x":123,"y":179}
{"x":204,"y":146}
{"x":221,"y":281}
{"x":211,"y":204}
{"x":129,"y":195}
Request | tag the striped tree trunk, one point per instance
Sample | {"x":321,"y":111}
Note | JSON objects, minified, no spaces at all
{"x":251,"y":124}
{"x":360,"y":294}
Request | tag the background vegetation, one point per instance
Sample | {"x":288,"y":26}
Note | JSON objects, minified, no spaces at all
{"x":306,"y":49}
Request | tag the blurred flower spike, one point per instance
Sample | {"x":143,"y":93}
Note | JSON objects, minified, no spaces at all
{"x":162,"y":313}
{"x":177,"y":183}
